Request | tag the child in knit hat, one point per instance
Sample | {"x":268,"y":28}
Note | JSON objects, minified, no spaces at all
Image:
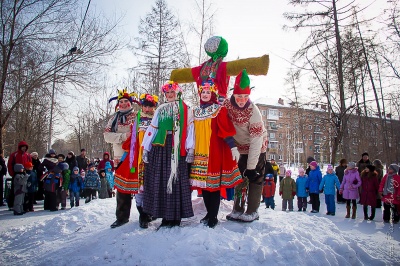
{"x":389,"y":190}
{"x":110,"y":178}
{"x":287,"y":189}
{"x":31,"y":187}
{"x":302,"y":194}
{"x":312,"y":185}
{"x":327,"y":186}
{"x":268,"y":192}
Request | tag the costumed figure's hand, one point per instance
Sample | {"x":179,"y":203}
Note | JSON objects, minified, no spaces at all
{"x":251,"y":174}
{"x":145,"y":156}
{"x":190,"y":156}
{"x":235,"y":154}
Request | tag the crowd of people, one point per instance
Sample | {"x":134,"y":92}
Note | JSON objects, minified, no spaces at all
{"x":162,"y":152}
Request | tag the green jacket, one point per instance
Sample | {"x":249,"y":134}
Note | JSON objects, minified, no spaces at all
{"x":287,"y":187}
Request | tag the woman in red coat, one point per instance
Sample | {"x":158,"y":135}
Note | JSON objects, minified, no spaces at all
{"x":369,"y":190}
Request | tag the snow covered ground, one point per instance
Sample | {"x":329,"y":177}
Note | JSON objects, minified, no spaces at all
{"x":82,"y":236}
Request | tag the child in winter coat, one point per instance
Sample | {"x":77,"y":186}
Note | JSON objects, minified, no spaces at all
{"x":327,"y":186}
{"x":20,"y":180}
{"x":52,"y":183}
{"x":104,"y":186}
{"x":287,"y":189}
{"x":349,"y":188}
{"x":92,"y":183}
{"x":31,"y":187}
{"x":369,"y":190}
{"x":75,"y":187}
{"x":110,"y":178}
{"x":389,"y":190}
{"x":82,"y":193}
{"x":268,"y":192}
{"x":312,"y":185}
{"x":62,"y":191}
{"x":379,"y":170}
{"x":302,"y":194}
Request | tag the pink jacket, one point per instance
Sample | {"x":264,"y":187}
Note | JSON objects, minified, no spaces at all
{"x":351,"y":182}
{"x":389,"y":197}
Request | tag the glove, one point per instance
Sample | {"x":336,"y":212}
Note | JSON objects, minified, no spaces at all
{"x":293,"y":193}
{"x":280,"y":193}
{"x":235,"y":154}
{"x":251,"y":174}
{"x":145,"y":156}
{"x":190,"y":156}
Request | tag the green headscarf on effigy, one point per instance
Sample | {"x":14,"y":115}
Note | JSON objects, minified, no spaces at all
{"x":216,"y":47}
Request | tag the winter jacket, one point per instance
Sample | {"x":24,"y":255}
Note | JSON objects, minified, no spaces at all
{"x":351,"y":182}
{"x":92,"y":180}
{"x":102,"y":163}
{"x":75,"y":183}
{"x":301,"y":182}
{"x":287,"y":187}
{"x":20,"y":181}
{"x":339,"y":170}
{"x":275,"y":167}
{"x":48,"y":164}
{"x":269,"y":188}
{"x":19,"y":156}
{"x":32,"y":182}
{"x":369,"y":188}
{"x":313,"y":181}
{"x":393,"y":197}
{"x":104,"y":188}
{"x":82,"y":162}
{"x":361,"y":165}
{"x":71,"y":162}
{"x":110,"y":179}
{"x":52,"y":182}
{"x":328,"y":183}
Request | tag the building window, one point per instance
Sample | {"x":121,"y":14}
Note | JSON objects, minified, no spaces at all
{"x":280,"y":157}
{"x":264,"y":112}
{"x":271,"y":156}
{"x":304,"y":137}
{"x":310,"y":137}
{"x":317,"y":137}
{"x":317,"y":129}
{"x":280,"y":114}
{"x":311,"y":148}
{"x":280,"y":147}
{"x":271,"y":135}
{"x":309,"y":127}
{"x":280,"y":135}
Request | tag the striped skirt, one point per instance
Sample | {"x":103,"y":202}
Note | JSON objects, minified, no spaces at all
{"x":157,"y":201}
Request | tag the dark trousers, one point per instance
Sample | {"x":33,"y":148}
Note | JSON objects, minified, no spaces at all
{"x":51,"y":198}
{"x":212,"y":201}
{"x":314,"y":198}
{"x":353,"y":201}
{"x":62,"y":198}
{"x":124,"y":204}
{"x":386,"y":212}
{"x":39,"y":194}
{"x":29,"y":199}
{"x":270,"y":201}
{"x":90,"y":194}
{"x":302,"y":203}
{"x":1,"y":190}
{"x":339,"y":197}
{"x":74,"y":198}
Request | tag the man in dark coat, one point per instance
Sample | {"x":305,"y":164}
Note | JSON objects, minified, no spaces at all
{"x":71,"y":161}
{"x":36,"y":166}
{"x":82,"y":160}
{"x":3,"y":172}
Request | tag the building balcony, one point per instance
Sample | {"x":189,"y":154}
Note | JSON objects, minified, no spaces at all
{"x":272,"y":150}
{"x":272,"y":128}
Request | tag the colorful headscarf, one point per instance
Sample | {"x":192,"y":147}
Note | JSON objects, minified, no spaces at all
{"x":210,"y":86}
{"x":171,"y":85}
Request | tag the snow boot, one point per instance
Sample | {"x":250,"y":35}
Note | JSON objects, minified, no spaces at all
{"x":353,"y":215}
{"x":118,"y":223}
{"x":372,"y":214}
{"x":143,"y":218}
{"x":348,"y":212}
{"x":365,"y":210}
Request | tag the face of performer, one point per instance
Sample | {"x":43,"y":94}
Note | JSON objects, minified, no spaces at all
{"x":124,"y":104}
{"x":241,"y":99}
{"x":205,"y":95}
{"x":148,"y":110}
{"x":170,"y":95}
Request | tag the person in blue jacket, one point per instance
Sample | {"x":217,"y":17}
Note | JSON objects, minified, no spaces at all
{"x":75,"y":187}
{"x":312,"y":185}
{"x":327,"y":186}
{"x":302,"y":194}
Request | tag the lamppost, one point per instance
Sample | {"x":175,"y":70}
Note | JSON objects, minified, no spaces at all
{"x":71,"y":52}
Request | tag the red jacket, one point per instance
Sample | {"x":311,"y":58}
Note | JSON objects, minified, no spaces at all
{"x":269,"y":189}
{"x":18,"y":157}
{"x":391,"y":198}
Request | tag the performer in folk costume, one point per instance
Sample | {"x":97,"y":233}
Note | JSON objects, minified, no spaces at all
{"x":118,"y":130}
{"x":215,"y":152}
{"x":130,"y":172}
{"x":168,"y":144}
{"x":251,"y":141}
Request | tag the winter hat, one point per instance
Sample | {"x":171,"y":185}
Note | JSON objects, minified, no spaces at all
{"x":82,"y":172}
{"x":18,"y":167}
{"x":102,"y":171}
{"x":216,"y":47}
{"x":52,"y":151}
{"x":310,"y":159}
{"x":314,"y":163}
{"x":28,"y":165}
{"x":63,"y":166}
{"x":394,"y":167}
{"x":34,"y":154}
{"x":351,"y":165}
{"x":377,"y":162}
{"x":83,"y":150}
{"x":371,"y":167}
{"x":270,"y":176}
{"x":132,"y":97}
{"x":71,"y":153}
{"x":242,"y":83}
{"x":365,"y":153}
{"x":90,"y":165}
{"x":330,"y":167}
{"x":288,"y":173}
{"x":301,"y":170}
{"x":76,"y":168}
{"x":343,"y":161}
{"x":108,"y":165}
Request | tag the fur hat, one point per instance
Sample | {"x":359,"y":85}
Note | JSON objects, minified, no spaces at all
{"x":330,"y":167}
{"x":394,"y":167}
{"x":57,"y":170}
{"x":18,"y":168}
{"x":288,"y":172}
{"x":370,"y":167}
{"x":365,"y":153}
{"x":314,"y":163}
{"x":351,"y":165}
{"x":63,"y":166}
